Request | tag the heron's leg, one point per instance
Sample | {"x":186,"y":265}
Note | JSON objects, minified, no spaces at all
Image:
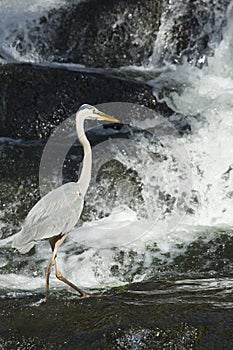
{"x":47,"y":274}
{"x":63,"y":279}
{"x":52,"y":242}
{"x":59,"y":274}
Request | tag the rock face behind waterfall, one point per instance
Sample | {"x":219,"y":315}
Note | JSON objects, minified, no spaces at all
{"x":190,"y":30}
{"x":109,"y":33}
{"x":96,"y":33}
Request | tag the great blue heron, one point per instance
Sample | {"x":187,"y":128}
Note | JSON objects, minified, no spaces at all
{"x":54,"y":215}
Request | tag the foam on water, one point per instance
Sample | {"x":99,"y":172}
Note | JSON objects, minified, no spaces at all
{"x":205,"y":97}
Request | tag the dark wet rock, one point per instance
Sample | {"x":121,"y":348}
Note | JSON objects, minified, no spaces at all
{"x":116,"y":179}
{"x":35,"y":99}
{"x":215,"y":257}
{"x":192,"y":30}
{"x":96,"y":33}
{"x":111,"y":33}
{"x":149,"y":320}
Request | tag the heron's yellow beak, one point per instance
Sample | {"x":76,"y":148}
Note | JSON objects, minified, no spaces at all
{"x":109,"y":119}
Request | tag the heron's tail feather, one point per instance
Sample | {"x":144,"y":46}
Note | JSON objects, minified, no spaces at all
{"x":22,"y":246}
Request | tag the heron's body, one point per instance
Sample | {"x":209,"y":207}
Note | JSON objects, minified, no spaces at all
{"x":48,"y":218}
{"x":58,"y":212}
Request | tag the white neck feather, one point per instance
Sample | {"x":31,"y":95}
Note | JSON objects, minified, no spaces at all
{"x":85,"y":176}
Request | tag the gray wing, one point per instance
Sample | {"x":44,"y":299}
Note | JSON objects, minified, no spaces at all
{"x":56,"y":213}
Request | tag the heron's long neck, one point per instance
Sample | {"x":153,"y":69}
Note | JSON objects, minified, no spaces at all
{"x":85,"y":176}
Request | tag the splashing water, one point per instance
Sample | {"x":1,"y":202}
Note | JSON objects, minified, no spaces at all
{"x":205,"y":98}
{"x":16,"y":17}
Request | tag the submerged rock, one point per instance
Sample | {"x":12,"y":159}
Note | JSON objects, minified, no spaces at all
{"x":149,"y":318}
{"x":35,"y":99}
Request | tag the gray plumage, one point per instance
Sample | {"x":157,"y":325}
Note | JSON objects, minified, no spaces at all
{"x":49,"y":218}
{"x":58,"y":212}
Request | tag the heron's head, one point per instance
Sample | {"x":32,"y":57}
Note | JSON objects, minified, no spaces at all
{"x":91,"y":112}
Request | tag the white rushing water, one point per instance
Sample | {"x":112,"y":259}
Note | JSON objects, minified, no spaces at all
{"x":205,"y":97}
{"x":199,"y":182}
{"x":17,"y":17}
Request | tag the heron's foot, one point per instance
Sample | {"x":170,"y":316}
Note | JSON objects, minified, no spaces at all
{"x":86,"y":295}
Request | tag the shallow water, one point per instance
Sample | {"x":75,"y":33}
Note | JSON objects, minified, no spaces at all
{"x":146,"y":316}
